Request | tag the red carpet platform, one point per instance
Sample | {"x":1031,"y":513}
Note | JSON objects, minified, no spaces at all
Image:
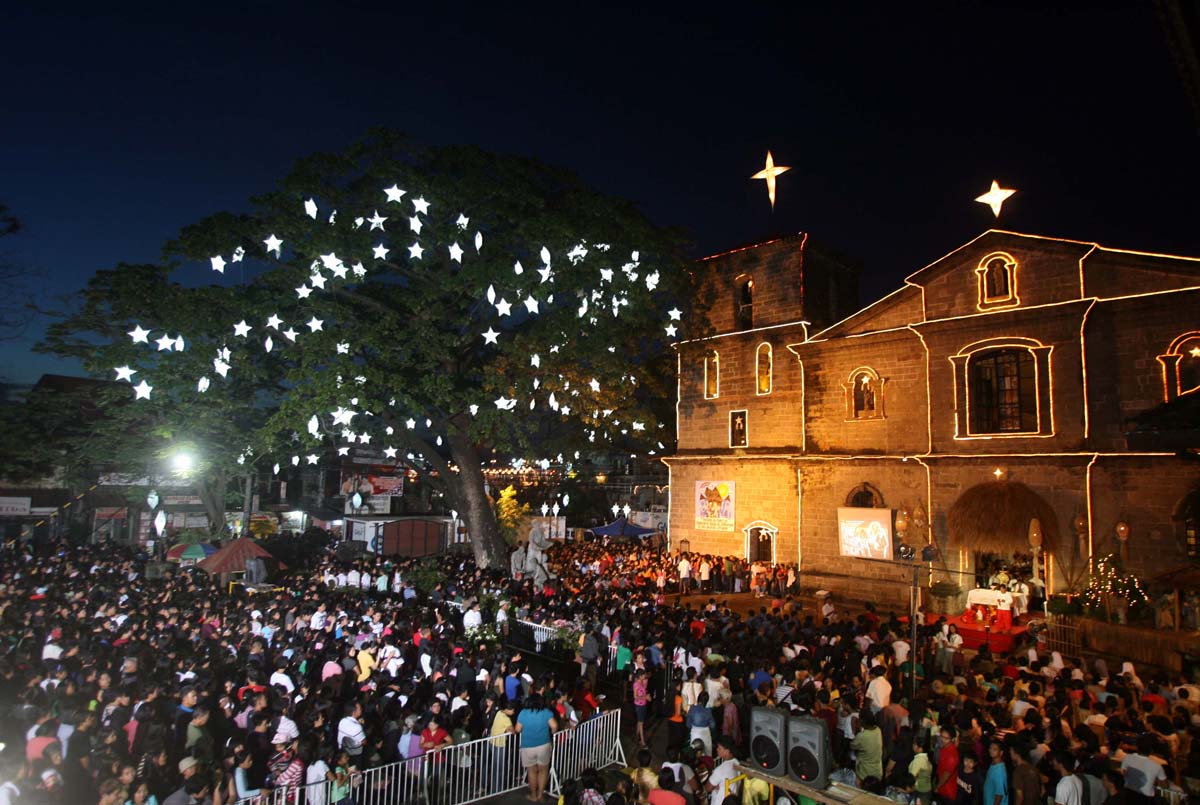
{"x":1000,"y":638}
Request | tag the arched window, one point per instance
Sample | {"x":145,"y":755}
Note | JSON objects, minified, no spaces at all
{"x":1002,"y":391}
{"x":743,"y":303}
{"x":865,"y":496}
{"x":712,"y":375}
{"x":1181,"y":366}
{"x":1003,"y":387}
{"x":864,"y":394}
{"x":762,"y":369}
{"x":997,"y":281}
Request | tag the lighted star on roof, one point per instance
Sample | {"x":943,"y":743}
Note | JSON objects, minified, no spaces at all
{"x":1194,"y":352}
{"x":995,"y":197}
{"x":769,"y":172}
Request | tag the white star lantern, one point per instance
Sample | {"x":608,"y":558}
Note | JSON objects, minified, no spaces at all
{"x":489,"y":336}
{"x":273,"y":244}
{"x":139,"y":335}
{"x":456,"y":252}
{"x":142,"y":390}
{"x":995,"y":197}
{"x":421,"y":205}
{"x":125,"y":373}
{"x":218,"y":264}
{"x":769,"y":172}
{"x":377,"y":221}
{"x":166,"y":343}
{"x":315,"y":324}
{"x":241,"y":329}
{"x":274,"y":322}
{"x":394,"y":193}
{"x":415,"y":251}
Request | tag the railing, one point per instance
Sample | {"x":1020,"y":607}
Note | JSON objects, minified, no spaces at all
{"x":462,"y":773}
{"x":596,"y":743}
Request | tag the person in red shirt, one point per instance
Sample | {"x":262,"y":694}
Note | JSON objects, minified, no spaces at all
{"x":947,"y":767}
{"x":666,"y":794}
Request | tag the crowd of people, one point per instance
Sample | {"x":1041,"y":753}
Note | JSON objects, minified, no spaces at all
{"x":116,"y":688}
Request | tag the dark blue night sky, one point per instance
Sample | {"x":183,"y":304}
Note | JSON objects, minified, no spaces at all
{"x":118,"y":128}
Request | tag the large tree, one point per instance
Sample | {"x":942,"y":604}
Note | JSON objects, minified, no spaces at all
{"x":446,"y":304}
{"x":174,"y":434}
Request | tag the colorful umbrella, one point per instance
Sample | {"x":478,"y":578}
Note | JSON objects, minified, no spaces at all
{"x":194,"y":550}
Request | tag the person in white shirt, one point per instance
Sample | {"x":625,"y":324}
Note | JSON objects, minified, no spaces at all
{"x":901,"y":648}
{"x":353,"y":577}
{"x":705,"y":574}
{"x":473,"y":618}
{"x":1142,"y":773}
{"x":1070,"y":788}
{"x":283,"y":680}
{"x":685,"y":575}
{"x":350,"y":734}
{"x":724,"y":772}
{"x":879,"y":690}
{"x":319,"y":618}
{"x":342,"y":578}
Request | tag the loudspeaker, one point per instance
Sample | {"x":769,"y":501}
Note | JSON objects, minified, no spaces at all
{"x":768,"y":737}
{"x":809,"y":757}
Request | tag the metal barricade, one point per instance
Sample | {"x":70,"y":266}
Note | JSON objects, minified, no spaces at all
{"x":596,"y":744}
{"x":462,"y":773}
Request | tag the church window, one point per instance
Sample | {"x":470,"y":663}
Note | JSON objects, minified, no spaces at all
{"x":712,"y":375}
{"x":763,"y":369}
{"x":997,"y":274}
{"x":743,"y":304}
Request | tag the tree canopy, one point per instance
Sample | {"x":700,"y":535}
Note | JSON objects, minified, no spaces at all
{"x":437,"y":304}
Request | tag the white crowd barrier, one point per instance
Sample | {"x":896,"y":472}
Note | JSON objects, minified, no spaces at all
{"x":462,"y":773}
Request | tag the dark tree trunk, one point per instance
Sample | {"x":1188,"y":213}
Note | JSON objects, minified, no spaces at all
{"x":212,"y":495}
{"x":474,"y":507}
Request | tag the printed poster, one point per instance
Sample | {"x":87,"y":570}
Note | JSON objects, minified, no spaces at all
{"x":714,"y":505}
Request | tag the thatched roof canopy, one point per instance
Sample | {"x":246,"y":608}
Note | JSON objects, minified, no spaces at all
{"x":995,"y":517}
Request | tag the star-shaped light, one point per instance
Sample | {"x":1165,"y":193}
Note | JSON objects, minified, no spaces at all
{"x":462,"y":221}
{"x":639,"y":425}
{"x":995,"y":197}
{"x":674,"y":313}
{"x":380,"y":252}
{"x":273,"y":244}
{"x":1194,"y":352}
{"x":474,"y":409}
{"x":606,"y":274}
{"x":238,"y":254}
{"x":531,"y":305}
{"x":202,"y":384}
{"x":415,"y":251}
{"x":545,"y":273}
{"x":769,"y":172}
{"x":364,"y":437}
{"x":317,"y":281}
{"x":343,"y":348}
{"x":535,"y":360}
{"x":343,"y":416}
{"x":340,"y":270}
{"x":290,"y":334}
{"x":303,"y":291}
{"x":456,"y":252}
{"x":414,"y":224}
{"x":377,"y":221}
{"x":359,"y":270}
{"x":595,"y":384}
{"x":312,"y":459}
{"x":241,"y":329}
{"x":125,"y":373}
{"x":139,"y":335}
{"x":503,"y":307}
{"x":389,"y":452}
{"x":671,"y":330}
{"x":489,"y":336}
{"x":505,"y":403}
{"x":394,"y":193}
{"x":220,"y":367}
{"x":518,"y":269}
{"x":410,"y":423}
{"x":421,"y":205}
{"x":274,"y":322}
{"x":310,"y":207}
{"x":315,"y":324}
{"x":166,"y":343}
{"x":218,"y":264}
{"x":343,"y":451}
{"x":142,"y":390}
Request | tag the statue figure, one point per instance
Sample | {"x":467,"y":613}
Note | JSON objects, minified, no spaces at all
{"x":516,"y":562}
{"x":535,"y":559}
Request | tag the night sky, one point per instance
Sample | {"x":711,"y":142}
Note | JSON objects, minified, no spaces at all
{"x":118,"y":130}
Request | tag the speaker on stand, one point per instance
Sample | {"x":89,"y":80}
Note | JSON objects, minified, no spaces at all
{"x":809,"y":757}
{"x":768,"y":740}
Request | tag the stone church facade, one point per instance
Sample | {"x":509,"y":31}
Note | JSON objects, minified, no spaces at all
{"x":1014,"y":356}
